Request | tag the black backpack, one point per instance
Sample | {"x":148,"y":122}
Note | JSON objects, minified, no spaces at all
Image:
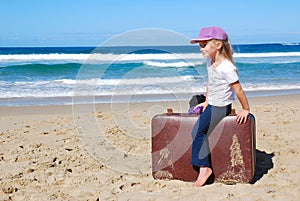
{"x":196,"y":99}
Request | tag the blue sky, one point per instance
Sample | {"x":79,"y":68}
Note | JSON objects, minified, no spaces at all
{"x":91,"y":22}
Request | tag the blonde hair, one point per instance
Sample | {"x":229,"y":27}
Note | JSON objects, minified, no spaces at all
{"x":227,"y":50}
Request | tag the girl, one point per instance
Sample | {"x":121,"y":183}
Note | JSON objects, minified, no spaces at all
{"x":223,"y":82}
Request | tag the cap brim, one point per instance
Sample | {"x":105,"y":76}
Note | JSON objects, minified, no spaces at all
{"x":197,"y":40}
{"x":193,"y":41}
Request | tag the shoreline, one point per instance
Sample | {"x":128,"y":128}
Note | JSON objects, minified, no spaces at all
{"x":137,"y":98}
{"x":180,"y":106}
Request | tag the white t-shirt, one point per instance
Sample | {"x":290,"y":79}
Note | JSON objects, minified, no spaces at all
{"x":220,"y":93}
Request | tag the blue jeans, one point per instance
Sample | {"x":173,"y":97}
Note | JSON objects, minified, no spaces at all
{"x":203,"y":127}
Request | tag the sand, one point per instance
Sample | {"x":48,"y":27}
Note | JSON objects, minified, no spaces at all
{"x":103,"y":152}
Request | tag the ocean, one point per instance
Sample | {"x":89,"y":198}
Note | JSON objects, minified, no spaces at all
{"x":60,"y":75}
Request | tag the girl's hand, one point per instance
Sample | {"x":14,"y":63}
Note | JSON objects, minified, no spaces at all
{"x":204,"y":105}
{"x":242,"y":116}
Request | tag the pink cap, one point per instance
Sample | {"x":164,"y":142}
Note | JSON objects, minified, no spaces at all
{"x":208,"y":33}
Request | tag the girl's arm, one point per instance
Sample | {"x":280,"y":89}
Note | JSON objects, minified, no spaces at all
{"x":243,"y":114}
{"x":205,"y":103}
{"x":206,"y":99}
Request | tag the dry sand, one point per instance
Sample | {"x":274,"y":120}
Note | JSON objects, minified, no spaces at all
{"x":102,"y":152}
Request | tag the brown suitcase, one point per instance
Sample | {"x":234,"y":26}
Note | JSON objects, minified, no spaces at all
{"x":232,"y":148}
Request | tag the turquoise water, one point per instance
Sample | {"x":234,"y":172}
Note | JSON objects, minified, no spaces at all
{"x":60,"y":73}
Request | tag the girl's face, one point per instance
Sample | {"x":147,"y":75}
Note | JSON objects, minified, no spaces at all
{"x":208,"y":48}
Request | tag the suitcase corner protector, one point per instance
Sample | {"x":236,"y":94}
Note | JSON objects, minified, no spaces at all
{"x":162,"y":174}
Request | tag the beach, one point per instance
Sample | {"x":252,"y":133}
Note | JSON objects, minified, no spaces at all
{"x":57,"y":152}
